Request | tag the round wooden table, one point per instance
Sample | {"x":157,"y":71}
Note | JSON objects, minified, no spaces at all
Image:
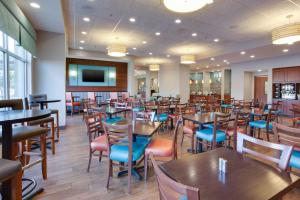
{"x":7,"y":119}
{"x":42,"y":102}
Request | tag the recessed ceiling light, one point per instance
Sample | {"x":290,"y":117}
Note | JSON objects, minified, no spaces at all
{"x":212,"y":58}
{"x":216,"y":40}
{"x":168,"y":56}
{"x":82,"y":41}
{"x":177,"y":21}
{"x":225,"y":61}
{"x":207,"y":66}
{"x":80,"y":48}
{"x":144,"y":42}
{"x":83,"y":33}
{"x":134,"y":48}
{"x":259,"y":70}
{"x":86,"y":19}
{"x":252,"y":56}
{"x":150,"y":53}
{"x":194,"y":34}
{"x":157,"y":33}
{"x":218,"y":65}
{"x":285,"y":50}
{"x":131,"y":19}
{"x":34,"y":5}
{"x":243,"y":52}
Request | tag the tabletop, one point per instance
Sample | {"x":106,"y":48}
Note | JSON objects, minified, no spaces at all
{"x":203,"y":118}
{"x":142,"y":128}
{"x":19,"y":116}
{"x":46,"y":101}
{"x":112,"y":110}
{"x":245,"y":179}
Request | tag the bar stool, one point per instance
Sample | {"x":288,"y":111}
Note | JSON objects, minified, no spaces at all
{"x":11,"y":170}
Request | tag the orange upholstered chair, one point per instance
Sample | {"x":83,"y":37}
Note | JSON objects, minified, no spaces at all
{"x":161,"y":147}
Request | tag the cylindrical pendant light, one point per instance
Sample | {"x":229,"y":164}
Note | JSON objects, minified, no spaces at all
{"x":154,"y":67}
{"x":184,"y":6}
{"x":188,"y":59}
{"x":116,"y":50}
{"x":287,"y":34}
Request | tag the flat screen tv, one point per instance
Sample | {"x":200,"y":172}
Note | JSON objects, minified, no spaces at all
{"x":92,"y":75}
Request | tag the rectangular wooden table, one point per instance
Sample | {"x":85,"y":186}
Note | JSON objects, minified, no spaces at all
{"x":246,"y":178}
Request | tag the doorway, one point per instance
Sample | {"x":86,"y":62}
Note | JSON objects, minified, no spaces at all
{"x":260,"y":88}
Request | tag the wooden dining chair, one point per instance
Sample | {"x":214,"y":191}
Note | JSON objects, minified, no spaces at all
{"x":122,"y":149}
{"x":289,"y":136}
{"x":162,"y":147}
{"x":162,"y":116}
{"x":215,"y":134}
{"x":70,"y":102}
{"x":97,"y":138}
{"x":281,"y":162}
{"x":169,"y":189}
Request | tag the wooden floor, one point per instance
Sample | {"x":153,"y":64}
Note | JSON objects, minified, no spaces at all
{"x":68,"y":179}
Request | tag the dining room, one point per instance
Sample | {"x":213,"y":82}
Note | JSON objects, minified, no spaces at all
{"x":157,"y":99}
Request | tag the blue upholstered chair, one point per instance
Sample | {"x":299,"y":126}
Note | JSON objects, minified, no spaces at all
{"x":290,"y":136}
{"x":216,"y":134}
{"x":122,"y":149}
{"x":162,"y":115}
{"x":265,"y":123}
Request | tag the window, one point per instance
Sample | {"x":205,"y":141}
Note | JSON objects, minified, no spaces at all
{"x":15,"y":65}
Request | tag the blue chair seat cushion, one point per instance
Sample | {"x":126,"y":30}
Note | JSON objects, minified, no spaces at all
{"x":143,"y":140}
{"x":295,"y":160}
{"x":226,"y":105}
{"x":113,"y":119}
{"x":211,"y":125}
{"x":138,"y":109}
{"x":207,"y":134}
{"x":162,"y":117}
{"x":260,"y":124}
{"x":119,"y":152}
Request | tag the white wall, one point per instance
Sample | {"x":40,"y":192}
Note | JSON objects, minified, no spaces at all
{"x":237,"y":72}
{"x":248,"y":85}
{"x":184,"y":86}
{"x":48,"y":74}
{"x":95,"y":55}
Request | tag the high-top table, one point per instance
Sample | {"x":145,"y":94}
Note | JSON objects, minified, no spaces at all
{"x":43,"y":102}
{"x":246,"y":178}
{"x":7,"y":119}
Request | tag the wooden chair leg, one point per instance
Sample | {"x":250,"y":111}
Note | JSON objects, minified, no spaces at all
{"x":268,"y":136}
{"x":16,"y":184}
{"x":23,"y":149}
{"x":43,"y":144}
{"x":90,"y":159}
{"x":109,"y":172}
{"x":52,"y":138}
{"x":28,"y":149}
{"x":129,"y":176}
{"x":146,"y":167}
{"x":259,"y":133}
{"x":57,"y":125}
{"x":100,"y":156}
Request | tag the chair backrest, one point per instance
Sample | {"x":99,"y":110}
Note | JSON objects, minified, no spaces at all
{"x":287,"y":135}
{"x":272,"y":115}
{"x":94,"y":125}
{"x":13,"y":104}
{"x":282,"y":161}
{"x":175,"y":136}
{"x":118,"y":134}
{"x":144,"y":116}
{"x":163,"y":108}
{"x":69,"y":97}
{"x":181,"y":108}
{"x":241,"y":120}
{"x":170,"y":189}
{"x":120,"y":105}
{"x":32,"y":98}
{"x":221,"y":121}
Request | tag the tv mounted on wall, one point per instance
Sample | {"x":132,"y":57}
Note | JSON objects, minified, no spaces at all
{"x":93,"y":75}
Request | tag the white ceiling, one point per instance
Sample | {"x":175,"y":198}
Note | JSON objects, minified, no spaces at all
{"x":241,"y":25}
{"x":48,"y":17}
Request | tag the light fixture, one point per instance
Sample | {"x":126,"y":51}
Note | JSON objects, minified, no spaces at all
{"x":207,"y":66}
{"x":191,"y":82}
{"x":184,"y":6}
{"x":82,"y":41}
{"x":144,"y":42}
{"x":194,"y":34}
{"x":188,"y":59}
{"x":224,"y":61}
{"x":196,"y":81}
{"x":216,"y":40}
{"x":287,"y":34}
{"x":285,"y":50}
{"x":243,"y":52}
{"x":177,"y":21}
{"x":212,"y":59}
{"x":116,"y":50}
{"x":252,"y":56}
{"x":168,"y":56}
{"x":259,"y":70}
{"x":218,"y":65}
{"x":80,"y":48}
{"x":150,"y":53}
{"x":83,"y":32}
{"x":154,"y":67}
{"x":209,"y":80}
{"x":202,"y":81}
{"x":157,"y":33}
{"x":73,"y":73}
{"x":86,"y":19}
{"x":34,"y":5}
{"x":134,"y":48}
{"x":131,"y":19}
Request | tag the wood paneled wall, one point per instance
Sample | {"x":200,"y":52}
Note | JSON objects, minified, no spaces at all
{"x":121,"y":76}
